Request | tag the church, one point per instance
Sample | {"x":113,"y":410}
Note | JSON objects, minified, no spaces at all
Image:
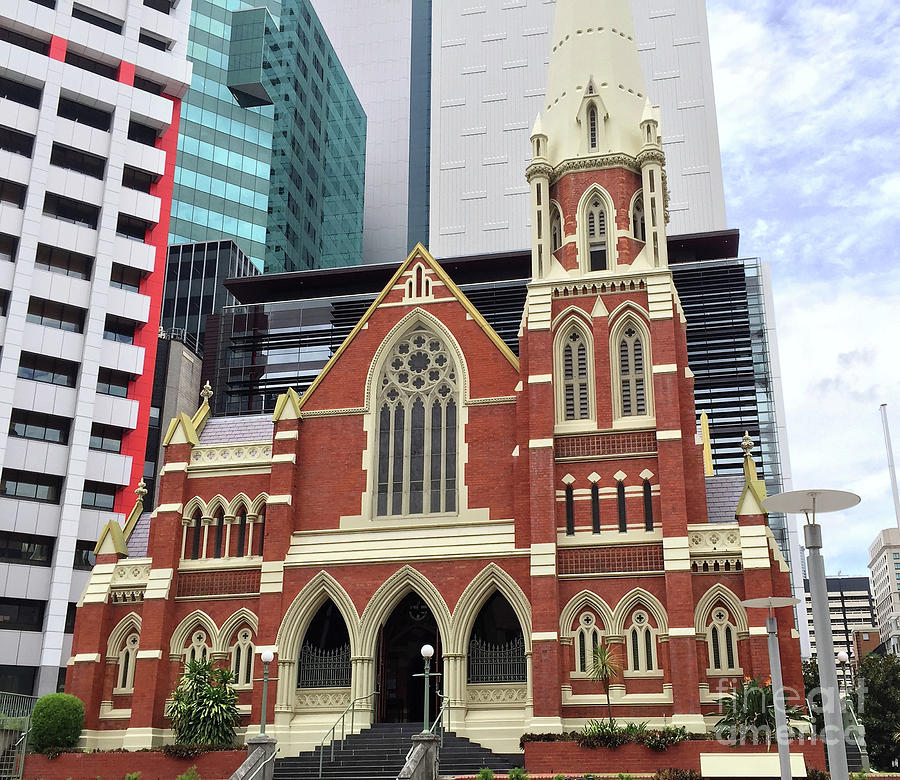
{"x":514,"y":511}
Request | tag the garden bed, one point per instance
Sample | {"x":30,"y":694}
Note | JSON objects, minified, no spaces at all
{"x":573,"y":759}
{"x":152,"y":764}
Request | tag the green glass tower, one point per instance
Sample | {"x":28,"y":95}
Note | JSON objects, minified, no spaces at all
{"x":272,"y":143}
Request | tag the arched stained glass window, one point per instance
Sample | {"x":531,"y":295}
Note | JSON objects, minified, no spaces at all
{"x":632,"y":372}
{"x":417,"y":408}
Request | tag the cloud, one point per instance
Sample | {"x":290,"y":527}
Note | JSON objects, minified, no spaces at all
{"x":808,"y":121}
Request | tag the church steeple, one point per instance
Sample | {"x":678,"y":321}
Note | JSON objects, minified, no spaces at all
{"x":596,"y":118}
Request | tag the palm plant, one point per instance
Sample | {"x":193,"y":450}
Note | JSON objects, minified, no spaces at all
{"x":749,"y":710}
{"x":605,"y":665}
{"x":203,"y":708}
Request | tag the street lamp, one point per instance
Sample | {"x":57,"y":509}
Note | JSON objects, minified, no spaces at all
{"x":782,"y":734}
{"x":842,"y":659}
{"x":267,"y":656}
{"x":808,"y":502}
{"x":427,"y":655}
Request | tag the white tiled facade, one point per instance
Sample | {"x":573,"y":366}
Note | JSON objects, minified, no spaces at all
{"x":27,"y":454}
{"x":884,"y":566}
{"x":488,"y":77}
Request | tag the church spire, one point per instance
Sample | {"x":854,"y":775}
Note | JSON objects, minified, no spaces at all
{"x":596,"y":95}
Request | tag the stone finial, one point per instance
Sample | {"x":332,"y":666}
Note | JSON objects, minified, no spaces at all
{"x":207,"y":392}
{"x":747,"y":444}
{"x":141,"y":490}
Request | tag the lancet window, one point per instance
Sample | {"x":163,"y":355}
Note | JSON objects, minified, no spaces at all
{"x":597,"y":234}
{"x":641,"y":644}
{"x":127,"y":659}
{"x":632,"y":372}
{"x":242,"y":659}
{"x":417,"y":407}
{"x":587,"y":639}
{"x":721,"y":639}
{"x":576,"y":376}
{"x":638,"y":222}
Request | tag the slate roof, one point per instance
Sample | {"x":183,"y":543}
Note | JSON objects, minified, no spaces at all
{"x":140,"y":537}
{"x":229,"y":430}
{"x":722,"y":496}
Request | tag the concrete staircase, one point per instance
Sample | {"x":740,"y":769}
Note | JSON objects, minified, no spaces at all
{"x":379,"y":753}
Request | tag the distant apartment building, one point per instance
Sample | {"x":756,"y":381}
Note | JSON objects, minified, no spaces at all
{"x":89,"y":110}
{"x":851,"y":607}
{"x":884,"y":566}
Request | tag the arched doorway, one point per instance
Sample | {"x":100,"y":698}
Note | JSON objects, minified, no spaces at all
{"x":401,"y":695}
{"x":324,"y":660}
{"x":496,"y":651}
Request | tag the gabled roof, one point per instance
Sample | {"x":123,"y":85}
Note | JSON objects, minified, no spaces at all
{"x":420,"y":253}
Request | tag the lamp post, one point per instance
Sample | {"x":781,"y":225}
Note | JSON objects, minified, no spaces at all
{"x":267,"y":656}
{"x":842,"y":658}
{"x":808,"y":502}
{"x":427,"y":655}
{"x":782,"y":734}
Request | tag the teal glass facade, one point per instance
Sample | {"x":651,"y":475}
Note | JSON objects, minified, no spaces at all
{"x":224,"y":151}
{"x":318,"y":150}
{"x":271,"y":150}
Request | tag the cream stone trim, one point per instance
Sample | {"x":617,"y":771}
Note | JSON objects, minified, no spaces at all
{"x":585,"y":601}
{"x":677,"y":553}
{"x":538,"y":307}
{"x":585,"y":537}
{"x":346,"y":412}
{"x":568,"y":312}
{"x":284,"y":499}
{"x":707,"y":602}
{"x":198,"y":620}
{"x":158,"y":584}
{"x":617,"y":695}
{"x":688,"y":374}
{"x":271,"y":577}
{"x":776,"y":551}
{"x":220,"y":564}
{"x":499,"y":400}
{"x":538,"y":379}
{"x":397,"y":304}
{"x":285,"y":458}
{"x":638,"y":597}
{"x":665,"y":368}
{"x":755,"y":546}
{"x":321,"y":588}
{"x":130,"y":624}
{"x":519,"y":387}
{"x":543,"y":559}
{"x":536,"y":444}
{"x":758,"y":631}
{"x":589,"y":423}
{"x":668,"y":435}
{"x":108,"y":713}
{"x":149,"y":654}
{"x":491,"y":579}
{"x":434,"y":538}
{"x":84,"y":658}
{"x":630,"y":313}
{"x":260,"y":649}
{"x":237,"y":620}
{"x":682,"y":632}
{"x":97,"y":588}
{"x":171,"y":468}
{"x":544,"y":636}
{"x":287,"y":435}
{"x":166,"y":508}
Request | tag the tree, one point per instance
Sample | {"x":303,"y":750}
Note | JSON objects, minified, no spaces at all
{"x":605,"y":665}
{"x":879,"y":707}
{"x":814,"y":695}
{"x":204,"y":706}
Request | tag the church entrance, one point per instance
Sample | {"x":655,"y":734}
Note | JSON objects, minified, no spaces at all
{"x":400,"y":641}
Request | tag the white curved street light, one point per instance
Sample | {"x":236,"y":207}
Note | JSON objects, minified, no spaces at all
{"x":808,"y":503}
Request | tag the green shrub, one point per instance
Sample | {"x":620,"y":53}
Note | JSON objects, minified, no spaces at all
{"x":204,"y":706}
{"x":133,"y":776}
{"x":677,"y":774}
{"x":56,"y":722}
{"x":662,"y":739}
{"x":559,"y":777}
{"x":518,"y":773}
{"x":623,"y":776}
{"x":486,"y":774}
{"x":859,"y":776}
{"x":817,"y":774}
{"x":184,"y":751}
{"x":191,"y":774}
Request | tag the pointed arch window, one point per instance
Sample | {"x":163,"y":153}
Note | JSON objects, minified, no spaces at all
{"x":638,"y":221}
{"x":648,"y":506}
{"x":575,"y":376}
{"x":631,"y":362}
{"x":556,"y":230}
{"x":496,"y":650}
{"x":595,"y":507}
{"x":588,"y":638}
{"x":721,"y":640}
{"x":127,"y":659}
{"x":242,"y":659}
{"x":241,"y":549}
{"x":620,"y":506}
{"x":641,"y":644}
{"x":261,"y":531}
{"x":593,"y":127}
{"x":220,"y":533}
{"x":597,"y":234}
{"x":198,"y":649}
{"x":417,"y":403}
{"x":196,"y":534}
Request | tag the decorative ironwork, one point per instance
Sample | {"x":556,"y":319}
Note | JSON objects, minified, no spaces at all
{"x":611,"y":560}
{"x":15,"y":722}
{"x":602,"y":445}
{"x":320,"y":668}
{"x":500,"y":663}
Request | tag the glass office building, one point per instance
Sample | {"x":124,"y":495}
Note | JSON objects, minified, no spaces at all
{"x":224,"y":150}
{"x":272,"y":146}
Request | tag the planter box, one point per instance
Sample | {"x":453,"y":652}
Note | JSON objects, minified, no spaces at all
{"x":572,"y":759}
{"x":153,"y":765}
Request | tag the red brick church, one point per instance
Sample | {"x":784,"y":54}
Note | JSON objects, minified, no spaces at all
{"x":432,"y":486}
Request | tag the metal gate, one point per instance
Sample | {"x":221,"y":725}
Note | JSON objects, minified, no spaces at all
{"x":15,"y":722}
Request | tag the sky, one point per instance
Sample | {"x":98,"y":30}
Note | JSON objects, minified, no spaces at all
{"x":807,"y":100}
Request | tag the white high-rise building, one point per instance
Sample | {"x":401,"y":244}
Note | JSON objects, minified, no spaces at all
{"x":89,"y":105}
{"x":884,"y":566}
{"x":451,"y":89}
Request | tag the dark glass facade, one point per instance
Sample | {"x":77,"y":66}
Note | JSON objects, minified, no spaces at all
{"x":194,"y":286}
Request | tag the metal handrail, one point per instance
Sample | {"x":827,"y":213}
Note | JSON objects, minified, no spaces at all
{"x":438,"y":720}
{"x":351,"y":708}
{"x":263,"y":764}
{"x":856,"y":732}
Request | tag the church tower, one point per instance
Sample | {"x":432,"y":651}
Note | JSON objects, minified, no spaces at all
{"x":611,"y":431}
